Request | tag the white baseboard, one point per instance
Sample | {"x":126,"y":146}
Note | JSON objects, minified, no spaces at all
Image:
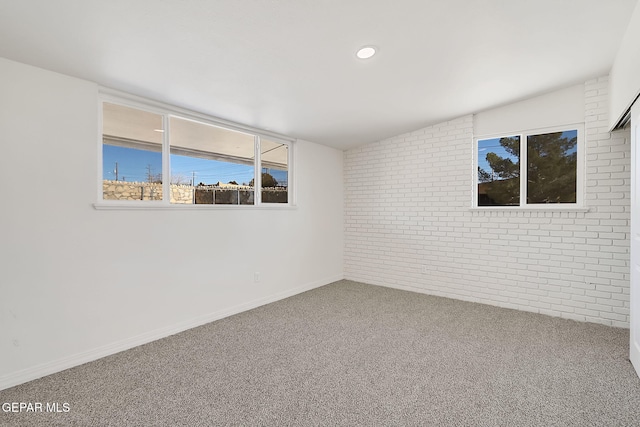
{"x":48,"y":368}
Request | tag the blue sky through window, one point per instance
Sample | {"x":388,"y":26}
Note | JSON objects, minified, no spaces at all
{"x":134,"y":165}
{"x":492,"y":145}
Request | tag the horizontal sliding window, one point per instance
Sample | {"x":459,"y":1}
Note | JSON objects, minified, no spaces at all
{"x":533,"y":169}
{"x":167,"y":158}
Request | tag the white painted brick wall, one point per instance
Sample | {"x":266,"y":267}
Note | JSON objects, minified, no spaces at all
{"x":408,"y":224}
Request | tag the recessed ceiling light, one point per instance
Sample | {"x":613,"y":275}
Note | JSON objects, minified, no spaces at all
{"x":366,"y":52}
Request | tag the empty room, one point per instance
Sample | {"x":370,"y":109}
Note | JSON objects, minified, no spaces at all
{"x":280,"y":212}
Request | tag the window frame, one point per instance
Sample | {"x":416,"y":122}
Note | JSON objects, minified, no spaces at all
{"x":167,"y":111}
{"x":523,"y":134}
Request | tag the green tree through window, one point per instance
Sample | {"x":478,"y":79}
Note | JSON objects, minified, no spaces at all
{"x":552,"y":167}
{"x":267,"y":180}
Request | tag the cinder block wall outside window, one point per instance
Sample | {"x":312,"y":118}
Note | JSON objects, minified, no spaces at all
{"x":409,"y":224}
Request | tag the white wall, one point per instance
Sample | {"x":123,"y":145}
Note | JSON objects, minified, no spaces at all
{"x":79,"y":283}
{"x":565,"y":106}
{"x":409,"y":223}
{"x":625,"y":73}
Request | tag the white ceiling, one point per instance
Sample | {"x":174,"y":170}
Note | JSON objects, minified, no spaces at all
{"x":289,"y":66}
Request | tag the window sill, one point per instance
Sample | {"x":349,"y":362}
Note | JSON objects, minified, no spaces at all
{"x":544,"y":208}
{"x":146,"y":206}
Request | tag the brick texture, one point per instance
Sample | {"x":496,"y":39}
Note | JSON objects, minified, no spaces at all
{"x":409,"y":224}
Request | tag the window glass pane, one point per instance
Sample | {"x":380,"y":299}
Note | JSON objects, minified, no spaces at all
{"x":275,"y":174}
{"x":552,"y":167}
{"x":131,"y":154}
{"x":210,"y":164}
{"x":499,"y":171}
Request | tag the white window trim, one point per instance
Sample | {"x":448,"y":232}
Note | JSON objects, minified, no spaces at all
{"x":579,"y":206}
{"x":121,"y":98}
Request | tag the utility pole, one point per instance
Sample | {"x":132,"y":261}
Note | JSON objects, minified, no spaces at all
{"x":116,"y":171}
{"x":149,"y":174}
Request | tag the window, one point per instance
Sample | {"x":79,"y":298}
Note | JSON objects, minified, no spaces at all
{"x":216,"y":165}
{"x":174,"y":159}
{"x":131,"y":154}
{"x":275,"y":176}
{"x":532,"y":169}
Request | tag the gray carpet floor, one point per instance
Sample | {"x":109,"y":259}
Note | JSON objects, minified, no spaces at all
{"x":350,"y":354}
